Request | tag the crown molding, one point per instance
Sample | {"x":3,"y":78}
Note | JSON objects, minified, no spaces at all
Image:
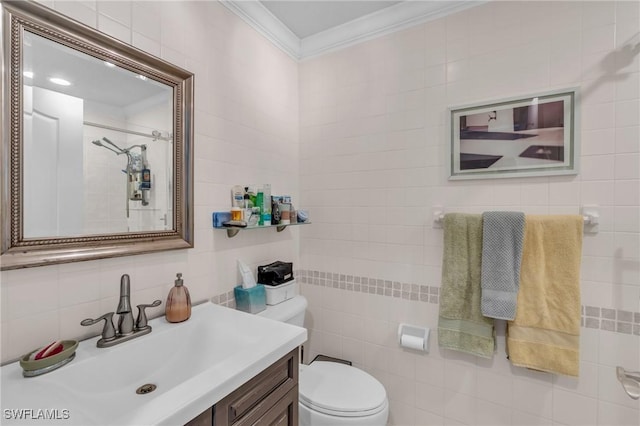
{"x":263,"y":21}
{"x":394,"y":18}
{"x":385,"y":21}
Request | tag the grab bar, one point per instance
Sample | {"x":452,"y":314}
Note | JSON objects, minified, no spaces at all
{"x":630,"y":382}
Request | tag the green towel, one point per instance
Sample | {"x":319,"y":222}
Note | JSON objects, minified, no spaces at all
{"x":461,"y":325}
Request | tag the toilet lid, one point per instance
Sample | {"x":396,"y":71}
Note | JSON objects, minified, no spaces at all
{"x":340,"y":389}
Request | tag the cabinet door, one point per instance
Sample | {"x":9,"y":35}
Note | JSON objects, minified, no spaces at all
{"x":248,"y":403}
{"x":204,"y":419}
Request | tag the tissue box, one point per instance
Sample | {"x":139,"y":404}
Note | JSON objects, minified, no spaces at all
{"x":251,"y":300}
{"x":279,"y":293}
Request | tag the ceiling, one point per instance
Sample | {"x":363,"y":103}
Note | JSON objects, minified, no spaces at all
{"x":305,"y":18}
{"x":90,"y":78}
{"x":307,"y":28}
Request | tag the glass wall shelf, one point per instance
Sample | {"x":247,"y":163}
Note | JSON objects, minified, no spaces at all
{"x":232,"y":231}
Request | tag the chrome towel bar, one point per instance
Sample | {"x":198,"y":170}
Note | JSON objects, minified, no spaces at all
{"x":590,"y":216}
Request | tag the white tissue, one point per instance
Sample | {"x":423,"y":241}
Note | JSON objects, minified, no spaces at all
{"x":412,"y":342}
{"x":248,"y":280}
{"x":413,"y":337}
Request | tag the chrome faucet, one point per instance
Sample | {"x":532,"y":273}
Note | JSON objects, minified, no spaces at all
{"x":126,"y":328}
{"x":125,"y":322}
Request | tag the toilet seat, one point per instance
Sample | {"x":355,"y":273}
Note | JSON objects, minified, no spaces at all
{"x":340,"y":390}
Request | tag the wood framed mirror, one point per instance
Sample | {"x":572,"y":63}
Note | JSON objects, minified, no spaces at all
{"x":97,"y":144}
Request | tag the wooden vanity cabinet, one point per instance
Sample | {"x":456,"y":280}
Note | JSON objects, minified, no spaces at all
{"x":270,"y":398}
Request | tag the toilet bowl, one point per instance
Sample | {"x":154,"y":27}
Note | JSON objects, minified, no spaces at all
{"x":331,"y":393}
{"x":338,"y":394}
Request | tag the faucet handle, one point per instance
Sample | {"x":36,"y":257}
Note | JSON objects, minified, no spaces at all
{"x":108,"y":331}
{"x":141,"y":321}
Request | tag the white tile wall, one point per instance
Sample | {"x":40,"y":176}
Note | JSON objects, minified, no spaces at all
{"x":371,"y":206}
{"x":246,"y":132}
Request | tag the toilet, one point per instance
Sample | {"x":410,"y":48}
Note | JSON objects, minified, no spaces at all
{"x":331,"y":393}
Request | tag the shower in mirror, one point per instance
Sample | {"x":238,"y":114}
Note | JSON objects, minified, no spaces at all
{"x":134,"y":176}
{"x":138,"y":175}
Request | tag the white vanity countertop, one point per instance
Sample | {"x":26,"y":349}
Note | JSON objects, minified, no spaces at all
{"x":194,"y":365}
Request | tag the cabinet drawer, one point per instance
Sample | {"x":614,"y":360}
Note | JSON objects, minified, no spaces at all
{"x":284,"y":412}
{"x":272,"y":385}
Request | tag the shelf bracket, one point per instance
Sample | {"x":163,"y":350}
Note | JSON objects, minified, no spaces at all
{"x":232,"y":232}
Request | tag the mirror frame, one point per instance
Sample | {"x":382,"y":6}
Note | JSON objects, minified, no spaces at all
{"x":18,"y":252}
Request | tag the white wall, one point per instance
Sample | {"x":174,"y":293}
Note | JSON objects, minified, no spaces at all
{"x":372,"y":165}
{"x":105,"y":188}
{"x":246,"y":131}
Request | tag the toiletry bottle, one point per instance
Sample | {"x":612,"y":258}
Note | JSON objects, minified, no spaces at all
{"x":237,"y":196}
{"x":293,"y":216}
{"x":260,"y":204}
{"x":275,"y":211}
{"x":266,"y":204}
{"x":251,"y":190}
{"x":247,"y":201}
{"x":236,"y":213}
{"x":248,"y":206}
{"x":178,"y":307}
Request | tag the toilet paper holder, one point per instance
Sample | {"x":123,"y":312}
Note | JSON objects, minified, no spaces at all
{"x":413,"y":337}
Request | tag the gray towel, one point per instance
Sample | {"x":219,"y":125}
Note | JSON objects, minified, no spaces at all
{"x":502,"y":238}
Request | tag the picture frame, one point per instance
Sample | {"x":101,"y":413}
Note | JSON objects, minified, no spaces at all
{"x":523,"y":136}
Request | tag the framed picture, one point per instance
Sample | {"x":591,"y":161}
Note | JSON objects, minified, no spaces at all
{"x":536,"y":135}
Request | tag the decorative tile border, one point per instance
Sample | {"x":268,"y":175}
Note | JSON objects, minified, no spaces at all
{"x":225,"y":299}
{"x":614,"y":320}
{"x":415,"y":292}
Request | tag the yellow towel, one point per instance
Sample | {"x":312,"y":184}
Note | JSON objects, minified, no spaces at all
{"x":545,"y":334}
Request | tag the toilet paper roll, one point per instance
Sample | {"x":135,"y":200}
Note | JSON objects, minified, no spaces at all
{"x":412,"y":342}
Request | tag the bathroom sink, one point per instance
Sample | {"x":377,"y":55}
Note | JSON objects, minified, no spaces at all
{"x":192,"y":364}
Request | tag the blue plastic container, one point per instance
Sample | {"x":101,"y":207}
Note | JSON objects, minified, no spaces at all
{"x":251,"y":300}
{"x":219,"y":218}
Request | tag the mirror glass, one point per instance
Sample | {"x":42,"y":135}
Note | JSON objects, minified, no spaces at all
{"x":97,"y":144}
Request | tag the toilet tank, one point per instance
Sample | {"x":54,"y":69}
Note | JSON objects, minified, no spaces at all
{"x":290,"y":311}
